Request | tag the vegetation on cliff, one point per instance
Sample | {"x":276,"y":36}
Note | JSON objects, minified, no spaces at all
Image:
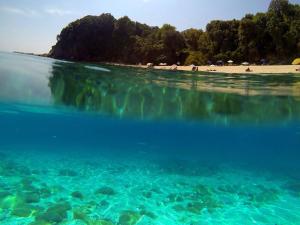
{"x":274,"y":36}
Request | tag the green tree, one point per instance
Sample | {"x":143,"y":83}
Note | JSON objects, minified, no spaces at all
{"x":192,"y":37}
{"x":173,"y":43}
{"x":274,"y":35}
{"x":196,"y":58}
{"x":278,"y":6}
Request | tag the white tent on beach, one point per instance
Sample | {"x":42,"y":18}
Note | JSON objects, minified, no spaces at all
{"x":245,"y":64}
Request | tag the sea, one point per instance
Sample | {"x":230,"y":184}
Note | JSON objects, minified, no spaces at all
{"x":95,"y":144}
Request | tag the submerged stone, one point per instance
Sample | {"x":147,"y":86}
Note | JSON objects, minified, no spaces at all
{"x":265,"y":196}
{"x":148,"y":214}
{"x":56,"y":189}
{"x":11,"y":201}
{"x":100,"y":222}
{"x":147,"y":194}
{"x":203,"y":190}
{"x":31,"y":197}
{"x":80,"y":214}
{"x":23,"y":211}
{"x":129,"y":218}
{"x":77,"y":194}
{"x":3,"y":195}
{"x":45,"y":192}
{"x":175,"y":198}
{"x":26,"y":183}
{"x":55,"y":214}
{"x":195,"y":207}
{"x":68,"y":173}
{"x":231,"y":189}
{"x":178,"y":208}
{"x":293,"y":188}
{"x":105,"y":191}
{"x":40,"y":223}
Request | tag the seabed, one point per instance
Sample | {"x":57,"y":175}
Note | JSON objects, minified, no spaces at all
{"x":43,"y":188}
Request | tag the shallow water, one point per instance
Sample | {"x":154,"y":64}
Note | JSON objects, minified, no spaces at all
{"x":97,"y":144}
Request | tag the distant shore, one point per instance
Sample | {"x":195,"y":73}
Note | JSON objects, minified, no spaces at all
{"x":237,"y":69}
{"x":254,"y":69}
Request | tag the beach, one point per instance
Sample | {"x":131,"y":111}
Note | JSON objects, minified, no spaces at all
{"x":268,"y":69}
{"x":239,"y":69}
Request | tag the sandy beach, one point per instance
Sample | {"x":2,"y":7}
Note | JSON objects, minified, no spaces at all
{"x":254,"y":69}
{"x":274,"y":69}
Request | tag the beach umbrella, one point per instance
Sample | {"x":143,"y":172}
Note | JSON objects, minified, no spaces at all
{"x":245,"y":64}
{"x":230,"y":61}
{"x":163,"y":64}
{"x":220,"y":62}
{"x":296,"y":62}
{"x":263,"y":61}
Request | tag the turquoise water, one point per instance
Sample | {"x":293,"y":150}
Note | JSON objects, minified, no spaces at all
{"x":103,"y":145}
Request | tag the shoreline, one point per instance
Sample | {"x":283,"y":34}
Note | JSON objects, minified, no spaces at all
{"x":239,"y":69}
{"x":233,"y":69}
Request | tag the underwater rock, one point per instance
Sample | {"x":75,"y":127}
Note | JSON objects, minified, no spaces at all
{"x":156,"y":190}
{"x":26,"y":183}
{"x":231,"y":189}
{"x":31,"y":197}
{"x":40,"y":223}
{"x":147,"y":194}
{"x":45,"y":192}
{"x":9,"y":168}
{"x":100,"y":222}
{"x":257,"y":195}
{"x":104,"y":203}
{"x":11,"y":201}
{"x":201,"y":198}
{"x":178,"y":208}
{"x":293,"y":188}
{"x":3,"y":195}
{"x":175,"y":198}
{"x":56,"y":189}
{"x":195,"y":207}
{"x":147,"y":213}
{"x":129,"y":218}
{"x":203,"y":190}
{"x":67,"y":173}
{"x":24,"y":211}
{"x":77,"y":194}
{"x":105,"y":191}
{"x":265,"y":196}
{"x":211,"y":204}
{"x":55,"y":214}
{"x":80,"y":214}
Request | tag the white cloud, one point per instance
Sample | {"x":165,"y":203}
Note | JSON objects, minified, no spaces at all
{"x":58,"y":12}
{"x":31,"y":12}
{"x":23,"y":12}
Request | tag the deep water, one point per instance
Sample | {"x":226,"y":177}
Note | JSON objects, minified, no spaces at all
{"x":82,"y":145}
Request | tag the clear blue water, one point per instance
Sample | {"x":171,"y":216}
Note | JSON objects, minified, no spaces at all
{"x":102,"y":145}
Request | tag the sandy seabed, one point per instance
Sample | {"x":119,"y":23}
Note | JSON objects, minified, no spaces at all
{"x":45,"y":188}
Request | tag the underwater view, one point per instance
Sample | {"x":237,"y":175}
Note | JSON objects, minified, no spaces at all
{"x":91,"y":144}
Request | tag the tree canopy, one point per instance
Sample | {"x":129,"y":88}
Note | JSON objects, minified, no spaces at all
{"x":273,"y":36}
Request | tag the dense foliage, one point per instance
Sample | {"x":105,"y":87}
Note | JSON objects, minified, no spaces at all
{"x":274,"y":36}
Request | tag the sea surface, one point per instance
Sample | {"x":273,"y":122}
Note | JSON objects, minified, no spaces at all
{"x":91,"y":144}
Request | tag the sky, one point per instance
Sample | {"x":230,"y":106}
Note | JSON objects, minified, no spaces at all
{"x":32,"y":26}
